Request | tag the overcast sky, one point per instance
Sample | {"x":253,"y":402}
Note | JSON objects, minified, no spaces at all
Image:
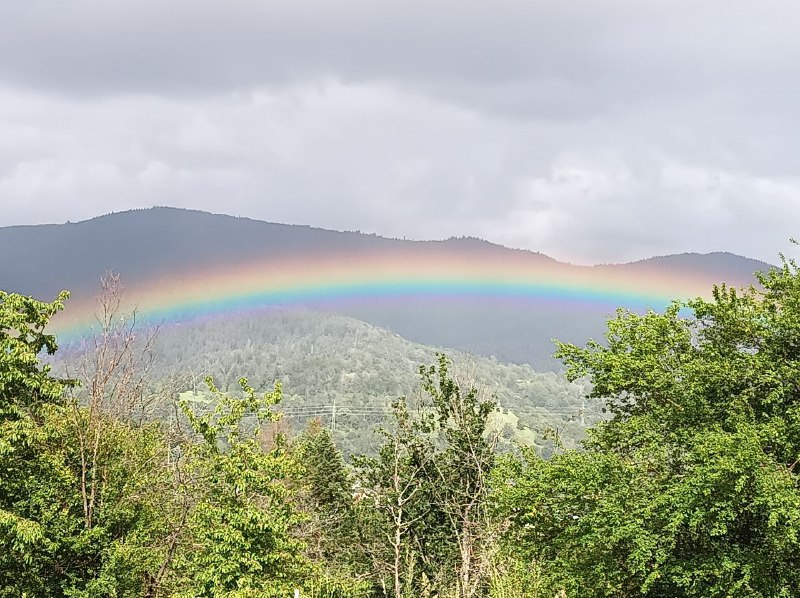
{"x":592,"y":131}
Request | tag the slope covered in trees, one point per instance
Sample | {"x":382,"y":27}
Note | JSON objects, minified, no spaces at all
{"x":325,"y":360}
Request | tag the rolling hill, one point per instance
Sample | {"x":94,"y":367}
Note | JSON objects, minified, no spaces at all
{"x":332,"y":366}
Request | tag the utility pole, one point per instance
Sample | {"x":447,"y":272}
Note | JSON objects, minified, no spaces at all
{"x":333,"y":415}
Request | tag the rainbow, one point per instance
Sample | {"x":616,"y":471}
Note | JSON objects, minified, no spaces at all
{"x":320,"y":280}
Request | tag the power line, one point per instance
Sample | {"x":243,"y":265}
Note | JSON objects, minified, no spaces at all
{"x":335,"y":410}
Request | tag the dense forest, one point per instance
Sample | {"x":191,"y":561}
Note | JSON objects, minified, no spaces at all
{"x":326,"y":361}
{"x":689,"y":487}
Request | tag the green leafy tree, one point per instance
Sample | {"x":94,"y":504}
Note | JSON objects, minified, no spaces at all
{"x":241,"y":530}
{"x":691,"y":488}
{"x":50,"y":546}
{"x":396,"y":506}
{"x":27,"y":394}
{"x":429,"y":484}
{"x":25,"y":383}
{"x":461,"y":471}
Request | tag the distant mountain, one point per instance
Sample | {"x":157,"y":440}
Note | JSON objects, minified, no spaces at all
{"x":717,"y":266}
{"x":159,"y":246}
{"x":140,"y":244}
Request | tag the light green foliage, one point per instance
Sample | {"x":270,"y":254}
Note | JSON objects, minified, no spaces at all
{"x":515,"y":578}
{"x":241,"y":528}
{"x":210,"y":515}
{"x":24,"y":382}
{"x":691,"y":489}
{"x":124,"y":545}
{"x":48,"y":549}
{"x":26,"y":393}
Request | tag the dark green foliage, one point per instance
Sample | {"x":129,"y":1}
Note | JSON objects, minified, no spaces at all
{"x":328,"y":484}
{"x":332,"y":532}
{"x":326,"y":475}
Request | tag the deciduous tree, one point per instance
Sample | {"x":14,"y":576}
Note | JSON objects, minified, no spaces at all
{"x":241,"y":537}
{"x":429,"y":482}
{"x":691,"y":488}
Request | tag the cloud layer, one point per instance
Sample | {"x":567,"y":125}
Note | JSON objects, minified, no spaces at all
{"x":592,"y":131}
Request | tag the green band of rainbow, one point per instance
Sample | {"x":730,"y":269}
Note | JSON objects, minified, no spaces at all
{"x":352,"y":277}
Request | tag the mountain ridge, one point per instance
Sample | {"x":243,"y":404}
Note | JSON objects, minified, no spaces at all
{"x":467,"y":239}
{"x":164,"y":244}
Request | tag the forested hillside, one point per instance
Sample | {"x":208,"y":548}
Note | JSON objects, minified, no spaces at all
{"x":325,"y":360}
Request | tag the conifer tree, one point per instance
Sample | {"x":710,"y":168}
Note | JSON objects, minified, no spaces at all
{"x":328,"y":491}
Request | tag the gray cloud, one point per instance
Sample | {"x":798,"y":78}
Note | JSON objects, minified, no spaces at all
{"x":594,"y":132}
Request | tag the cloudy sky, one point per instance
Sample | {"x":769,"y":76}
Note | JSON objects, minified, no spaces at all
{"x":593,"y":131}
